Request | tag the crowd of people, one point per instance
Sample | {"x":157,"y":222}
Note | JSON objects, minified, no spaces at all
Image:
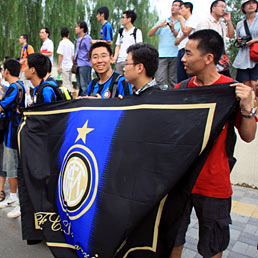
{"x":191,"y":53}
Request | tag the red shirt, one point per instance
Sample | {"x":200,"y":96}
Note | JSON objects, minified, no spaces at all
{"x":214,"y":178}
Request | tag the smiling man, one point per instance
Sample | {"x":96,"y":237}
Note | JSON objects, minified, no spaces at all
{"x":109,"y":84}
{"x":211,"y":194}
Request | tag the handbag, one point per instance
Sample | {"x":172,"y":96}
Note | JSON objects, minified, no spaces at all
{"x":224,"y":63}
{"x":75,"y":65}
{"x":254,"y":47}
{"x":254,"y":52}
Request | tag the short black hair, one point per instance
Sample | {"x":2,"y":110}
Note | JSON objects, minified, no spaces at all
{"x":49,"y":65}
{"x":13,"y":66}
{"x":100,"y":44}
{"x":130,"y":14}
{"x":146,"y":54}
{"x":65,"y":32}
{"x":46,"y":30}
{"x":188,"y":5}
{"x":6,"y":57}
{"x":209,"y":42}
{"x":179,"y":1}
{"x":104,"y":10}
{"x":25,"y":36}
{"x":83,"y":25}
{"x":214,"y":3}
{"x":40,"y":63}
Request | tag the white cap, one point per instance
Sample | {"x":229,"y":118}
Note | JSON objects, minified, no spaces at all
{"x":245,"y":1}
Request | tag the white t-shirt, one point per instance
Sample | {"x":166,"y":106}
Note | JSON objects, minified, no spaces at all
{"x":125,"y":41}
{"x":66,"y":49}
{"x":192,"y":22}
{"x":3,"y":81}
{"x":48,"y":46}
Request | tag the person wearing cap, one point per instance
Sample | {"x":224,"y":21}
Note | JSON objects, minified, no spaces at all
{"x":247,"y":70}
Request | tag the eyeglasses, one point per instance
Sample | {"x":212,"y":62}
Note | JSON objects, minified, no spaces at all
{"x":221,"y":6}
{"x":103,"y":56}
{"x":123,"y":17}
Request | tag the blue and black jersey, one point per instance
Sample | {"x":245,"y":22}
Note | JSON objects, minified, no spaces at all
{"x":13,"y":99}
{"x":106,"y":32}
{"x":113,"y":87}
{"x":48,"y":94}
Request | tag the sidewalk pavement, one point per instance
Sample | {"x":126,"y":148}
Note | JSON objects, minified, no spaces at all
{"x":243,"y":231}
{"x":243,"y":243}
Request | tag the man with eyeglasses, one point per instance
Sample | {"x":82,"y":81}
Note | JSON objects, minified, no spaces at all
{"x":141,"y":65}
{"x":108,"y":84}
{"x":127,"y":36}
{"x":214,"y":22}
{"x":167,"y":31}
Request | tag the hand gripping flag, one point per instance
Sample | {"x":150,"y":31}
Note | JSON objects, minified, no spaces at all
{"x":109,"y":178}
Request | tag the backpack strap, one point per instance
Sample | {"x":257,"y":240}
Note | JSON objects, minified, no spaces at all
{"x":113,"y":84}
{"x":247,"y":31}
{"x":94,"y":82}
{"x":121,"y":32}
{"x":39,"y":92}
{"x":20,"y":95}
{"x":134,"y":33}
{"x":184,"y":83}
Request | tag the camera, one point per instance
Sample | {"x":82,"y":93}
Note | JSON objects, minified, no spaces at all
{"x":244,"y":40}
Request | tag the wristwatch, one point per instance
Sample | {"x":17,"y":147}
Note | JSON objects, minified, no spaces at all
{"x":250,"y":115}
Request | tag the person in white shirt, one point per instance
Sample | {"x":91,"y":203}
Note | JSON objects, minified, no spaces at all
{"x":127,"y":36}
{"x":214,"y":22}
{"x":65,"y":53}
{"x":47,"y":47}
{"x":188,"y":24}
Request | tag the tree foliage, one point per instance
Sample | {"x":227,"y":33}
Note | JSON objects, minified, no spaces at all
{"x":29,"y":16}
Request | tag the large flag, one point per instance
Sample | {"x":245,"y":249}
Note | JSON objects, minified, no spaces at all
{"x":96,"y":174}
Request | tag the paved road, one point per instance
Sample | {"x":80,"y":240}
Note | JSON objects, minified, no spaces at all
{"x":12,"y":245}
{"x":243,"y":243}
{"x":243,"y":231}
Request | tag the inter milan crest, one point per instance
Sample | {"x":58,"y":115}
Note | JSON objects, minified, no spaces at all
{"x":107,"y":94}
{"x":78,"y":180}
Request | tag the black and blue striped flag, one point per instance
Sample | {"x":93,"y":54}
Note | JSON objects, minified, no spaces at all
{"x":95,"y":174}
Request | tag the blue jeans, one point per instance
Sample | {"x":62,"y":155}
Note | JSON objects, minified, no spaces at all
{"x":83,"y":79}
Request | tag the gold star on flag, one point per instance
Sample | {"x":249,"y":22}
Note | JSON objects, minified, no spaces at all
{"x":82,"y":132}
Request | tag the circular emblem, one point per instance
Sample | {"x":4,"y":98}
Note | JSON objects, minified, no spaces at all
{"x":107,"y":94}
{"x":78,"y":181}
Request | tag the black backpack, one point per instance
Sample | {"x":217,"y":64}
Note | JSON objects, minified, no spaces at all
{"x":134,"y":33}
{"x":112,"y":86}
{"x":4,"y":120}
{"x":61,"y":93}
